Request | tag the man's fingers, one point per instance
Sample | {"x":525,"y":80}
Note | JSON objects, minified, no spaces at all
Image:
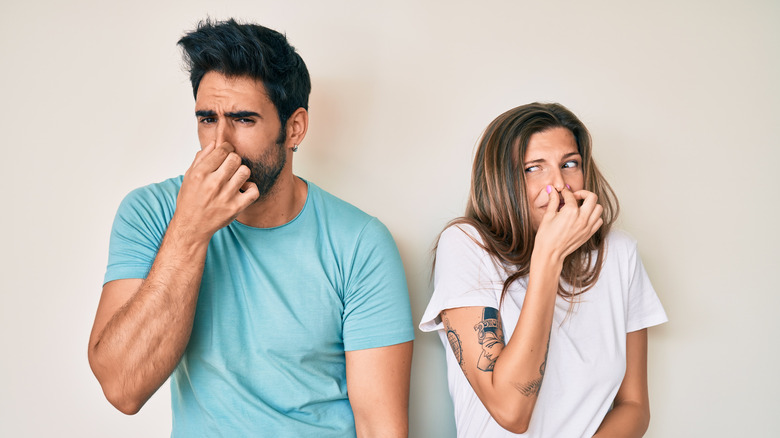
{"x":229,"y":166}
{"x":249,"y":194}
{"x":227,"y":146}
{"x":201,"y":153}
{"x":238,"y":180}
{"x":214,"y":158}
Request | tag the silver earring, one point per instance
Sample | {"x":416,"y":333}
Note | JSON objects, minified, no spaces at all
{"x":295,"y":148}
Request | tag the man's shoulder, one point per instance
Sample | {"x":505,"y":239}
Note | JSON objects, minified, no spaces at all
{"x":166,"y":189}
{"x":157,"y":197}
{"x":338,"y":212}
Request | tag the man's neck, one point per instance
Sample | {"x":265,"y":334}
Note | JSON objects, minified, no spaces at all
{"x":283,"y":203}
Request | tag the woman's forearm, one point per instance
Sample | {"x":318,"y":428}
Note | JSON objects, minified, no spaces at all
{"x":630,"y":415}
{"x":625,"y":420}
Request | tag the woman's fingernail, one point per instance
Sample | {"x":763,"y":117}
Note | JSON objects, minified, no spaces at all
{"x":568,"y":186}
{"x":549,"y":189}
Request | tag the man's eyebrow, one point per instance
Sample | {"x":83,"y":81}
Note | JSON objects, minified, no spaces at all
{"x":240,"y":114}
{"x":205,"y":113}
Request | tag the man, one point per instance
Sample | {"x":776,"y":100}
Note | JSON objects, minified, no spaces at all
{"x":275,"y":308}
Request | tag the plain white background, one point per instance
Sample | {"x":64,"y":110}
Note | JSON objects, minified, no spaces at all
{"x":681,"y":97}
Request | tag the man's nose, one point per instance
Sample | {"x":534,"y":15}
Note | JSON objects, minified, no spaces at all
{"x":224,"y":132}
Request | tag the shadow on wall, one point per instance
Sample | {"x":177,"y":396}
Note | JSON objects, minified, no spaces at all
{"x":430,"y":401}
{"x":331,"y":150}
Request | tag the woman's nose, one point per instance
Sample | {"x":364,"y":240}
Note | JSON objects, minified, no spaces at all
{"x":556,"y":180}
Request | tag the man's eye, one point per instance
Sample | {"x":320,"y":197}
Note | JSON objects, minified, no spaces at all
{"x":245,"y":120}
{"x":207,"y":120}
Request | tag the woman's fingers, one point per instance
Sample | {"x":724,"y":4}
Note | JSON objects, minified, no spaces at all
{"x":583,"y":216}
{"x":589,"y":199}
{"x":553,"y":201}
{"x":595,"y":220}
{"x":572,"y":225}
{"x":569,"y":199}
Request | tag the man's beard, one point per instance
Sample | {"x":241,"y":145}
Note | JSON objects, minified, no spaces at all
{"x":265,"y":171}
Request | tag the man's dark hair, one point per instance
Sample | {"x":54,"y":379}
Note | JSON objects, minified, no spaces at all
{"x":235,"y":49}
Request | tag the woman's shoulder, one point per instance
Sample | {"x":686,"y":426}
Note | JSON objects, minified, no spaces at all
{"x":460,"y":234}
{"x":620,"y":243}
{"x":458,"y":230}
{"x":618,"y":236}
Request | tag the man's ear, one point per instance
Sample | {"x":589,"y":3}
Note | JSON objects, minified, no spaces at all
{"x":297,"y":125}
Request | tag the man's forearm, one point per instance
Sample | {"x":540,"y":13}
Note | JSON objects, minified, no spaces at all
{"x":141,"y":344}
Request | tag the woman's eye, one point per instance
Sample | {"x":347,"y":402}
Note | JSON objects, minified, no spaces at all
{"x":571,"y":163}
{"x":531,"y":169}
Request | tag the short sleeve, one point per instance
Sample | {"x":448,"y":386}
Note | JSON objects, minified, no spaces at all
{"x":376,"y":302}
{"x":465,"y":275}
{"x":138,"y":230}
{"x":643,"y":307}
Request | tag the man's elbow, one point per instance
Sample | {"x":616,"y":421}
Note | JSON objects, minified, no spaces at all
{"x":126,"y":407}
{"x":124,"y":403}
{"x":113,"y":390}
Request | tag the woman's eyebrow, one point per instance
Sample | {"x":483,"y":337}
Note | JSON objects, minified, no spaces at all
{"x":542,"y":160}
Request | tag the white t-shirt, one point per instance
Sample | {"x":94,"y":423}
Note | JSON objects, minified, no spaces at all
{"x":586,"y":361}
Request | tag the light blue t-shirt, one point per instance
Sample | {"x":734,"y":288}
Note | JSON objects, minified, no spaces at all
{"x":277,"y":309}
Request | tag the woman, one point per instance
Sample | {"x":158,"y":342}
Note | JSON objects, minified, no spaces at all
{"x":534,"y":262}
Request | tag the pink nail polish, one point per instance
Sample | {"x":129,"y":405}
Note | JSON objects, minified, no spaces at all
{"x":568,"y":186}
{"x":549,"y":189}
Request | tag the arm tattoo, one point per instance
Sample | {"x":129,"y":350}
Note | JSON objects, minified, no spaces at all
{"x":531,"y":389}
{"x":454,"y":339}
{"x":491,"y":337}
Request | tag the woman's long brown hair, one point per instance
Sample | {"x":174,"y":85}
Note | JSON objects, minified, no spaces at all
{"x":498,"y":207}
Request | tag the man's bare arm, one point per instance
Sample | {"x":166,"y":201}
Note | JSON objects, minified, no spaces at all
{"x":142,"y":326}
{"x":378,"y":388}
